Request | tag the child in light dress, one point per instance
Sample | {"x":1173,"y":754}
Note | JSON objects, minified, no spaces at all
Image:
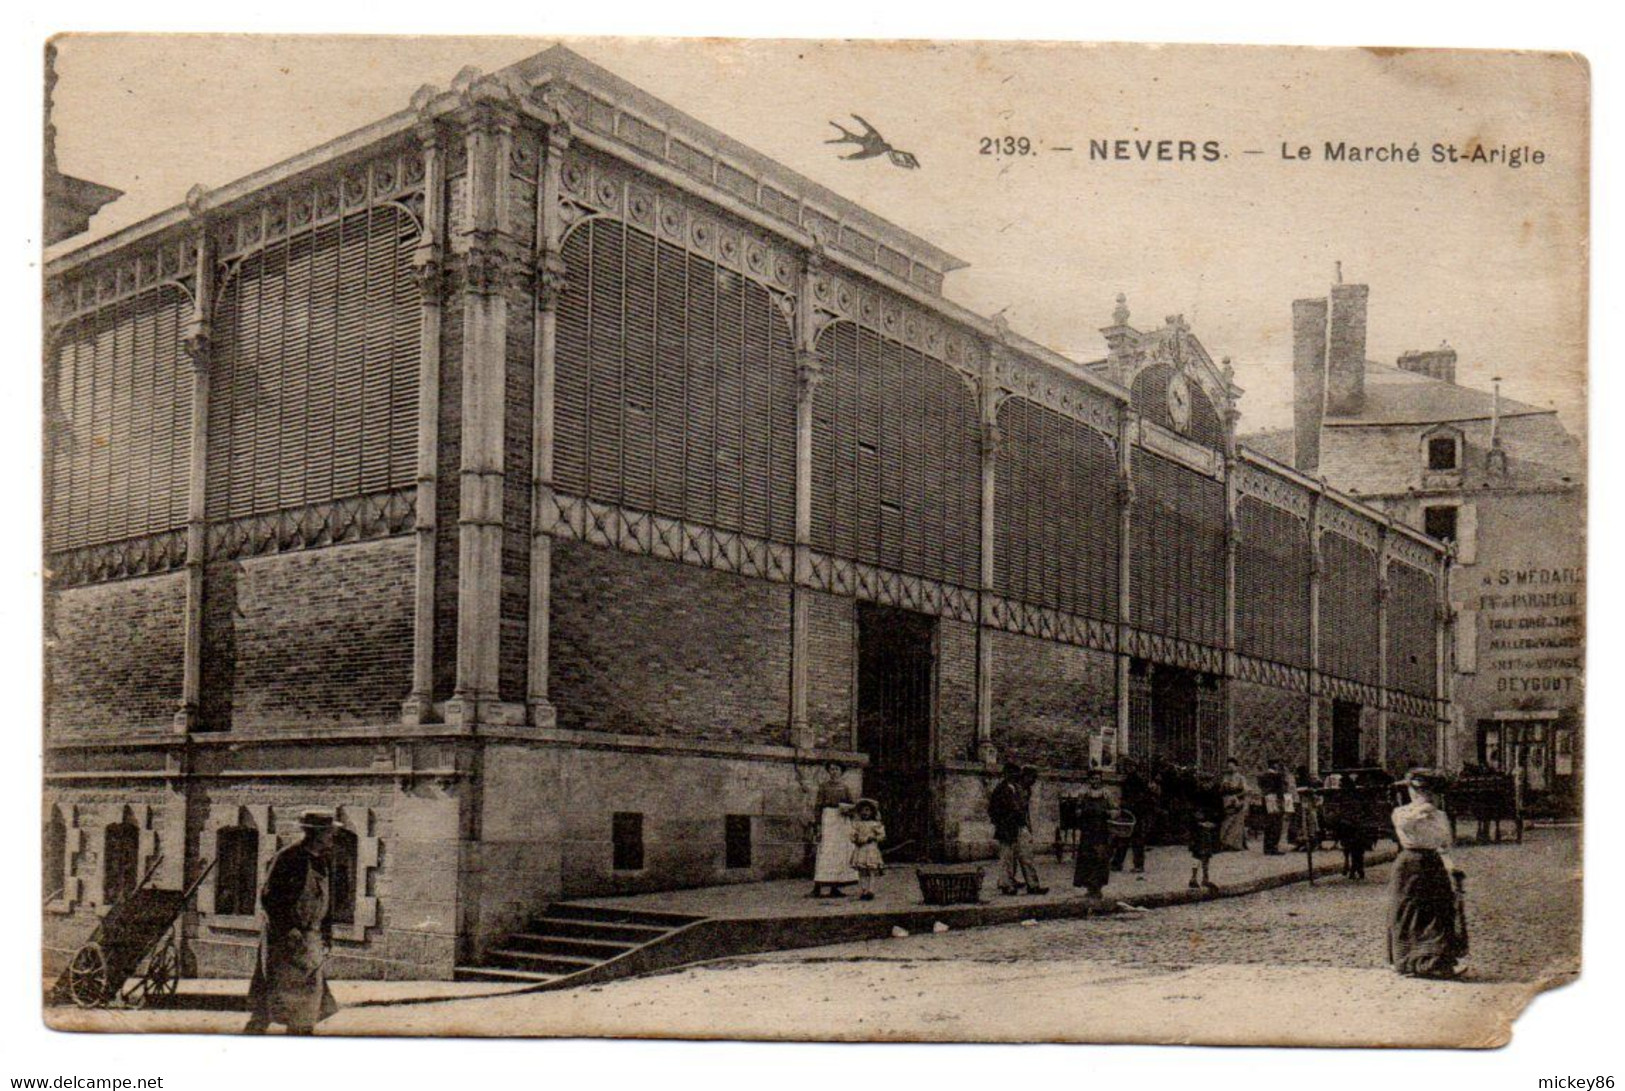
{"x":867,"y":834}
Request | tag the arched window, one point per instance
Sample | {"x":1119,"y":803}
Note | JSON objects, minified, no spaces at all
{"x":236,"y":869}
{"x":345,"y":873}
{"x":56,"y":857}
{"x":121,"y":856}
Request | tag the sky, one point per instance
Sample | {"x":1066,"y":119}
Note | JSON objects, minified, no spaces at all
{"x":1489,"y":258}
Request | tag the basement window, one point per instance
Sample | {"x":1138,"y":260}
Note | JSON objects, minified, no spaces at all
{"x":736,"y":841}
{"x":626,"y":836}
{"x":236,"y":870}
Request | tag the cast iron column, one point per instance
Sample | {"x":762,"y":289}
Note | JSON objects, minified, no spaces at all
{"x":1384,"y":535}
{"x":809,"y":372}
{"x":428,"y":260}
{"x":199,"y":345}
{"x":1125,"y":570}
{"x":1316,"y":568}
{"x":550,"y":286}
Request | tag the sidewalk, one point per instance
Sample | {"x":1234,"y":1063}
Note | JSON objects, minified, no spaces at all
{"x":750,"y":918}
{"x":1166,"y":881}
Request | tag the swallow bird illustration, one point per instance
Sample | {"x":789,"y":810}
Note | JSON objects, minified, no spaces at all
{"x":871,"y":145}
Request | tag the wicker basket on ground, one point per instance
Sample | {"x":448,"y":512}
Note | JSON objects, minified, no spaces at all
{"x":950,"y":884}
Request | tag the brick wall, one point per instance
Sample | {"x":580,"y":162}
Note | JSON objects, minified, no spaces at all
{"x":1048,"y":698}
{"x":322,"y":636}
{"x":956,"y":691}
{"x":448,"y":495}
{"x":831,"y":647}
{"x":650,"y":647}
{"x":513,"y":642}
{"x":114,"y":654}
{"x":1269,"y":723}
{"x":1411,"y":743}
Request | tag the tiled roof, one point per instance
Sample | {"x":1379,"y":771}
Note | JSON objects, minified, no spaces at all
{"x":1395,"y":396}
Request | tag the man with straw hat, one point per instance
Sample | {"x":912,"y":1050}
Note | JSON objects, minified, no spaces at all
{"x":290,"y":976}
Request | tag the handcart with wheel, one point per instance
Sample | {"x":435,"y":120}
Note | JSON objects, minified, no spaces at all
{"x":134,"y":956}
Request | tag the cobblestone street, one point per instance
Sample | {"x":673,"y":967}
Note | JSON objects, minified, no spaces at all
{"x":1300,"y":965}
{"x":1515,"y":893}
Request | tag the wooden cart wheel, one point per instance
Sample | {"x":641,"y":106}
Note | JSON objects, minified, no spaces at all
{"x":159,"y":979}
{"x":87,"y":977}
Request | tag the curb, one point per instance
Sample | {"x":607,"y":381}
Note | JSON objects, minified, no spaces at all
{"x":716,"y":939}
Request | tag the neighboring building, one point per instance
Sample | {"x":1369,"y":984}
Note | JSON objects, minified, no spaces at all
{"x":69,"y":202}
{"x":1504,"y":484}
{"x":553,"y":484}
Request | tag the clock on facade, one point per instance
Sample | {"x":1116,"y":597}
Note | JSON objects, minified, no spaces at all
{"x":1179,"y":401}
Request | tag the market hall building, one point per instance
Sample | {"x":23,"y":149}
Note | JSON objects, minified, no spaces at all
{"x":553,"y":485}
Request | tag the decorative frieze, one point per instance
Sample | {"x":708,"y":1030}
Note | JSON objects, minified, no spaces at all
{"x":395,"y":178}
{"x":643,"y":534}
{"x":166,"y":261}
{"x":1408,"y":704}
{"x":357,"y":519}
{"x":1408,"y":550}
{"x":1048,"y":624}
{"x":1273,"y":489}
{"x":893,"y":317}
{"x":1267,"y":673}
{"x":1357,"y":528}
{"x":1044,"y":385}
{"x":1344,"y":689}
{"x":1169,"y":649}
{"x":854,"y":579}
{"x":595,"y":185}
{"x":148,"y":555}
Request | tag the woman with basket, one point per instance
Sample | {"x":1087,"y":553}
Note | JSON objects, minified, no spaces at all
{"x":1096,"y":813}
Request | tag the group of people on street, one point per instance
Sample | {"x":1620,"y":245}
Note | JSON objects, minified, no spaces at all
{"x":1427,"y":931}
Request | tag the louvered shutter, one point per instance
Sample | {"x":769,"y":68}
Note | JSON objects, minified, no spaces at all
{"x":120,"y":423}
{"x":675,"y":385}
{"x":313,"y":389}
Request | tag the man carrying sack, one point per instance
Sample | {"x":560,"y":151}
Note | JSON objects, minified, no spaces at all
{"x":290,"y":977}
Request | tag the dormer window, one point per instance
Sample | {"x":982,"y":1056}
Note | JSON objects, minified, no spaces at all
{"x":1444,"y":453}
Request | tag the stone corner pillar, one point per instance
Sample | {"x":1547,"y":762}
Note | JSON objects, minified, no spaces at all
{"x":487,"y":269}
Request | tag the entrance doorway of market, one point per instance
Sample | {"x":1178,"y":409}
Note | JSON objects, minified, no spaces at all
{"x":1346,"y":752}
{"x":896,"y":710}
{"x":1176,"y":716}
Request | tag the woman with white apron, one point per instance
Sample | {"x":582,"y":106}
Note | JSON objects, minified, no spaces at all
{"x":832,"y":868}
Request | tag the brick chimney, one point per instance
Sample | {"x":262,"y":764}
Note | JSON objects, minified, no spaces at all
{"x":1439,"y":363}
{"x":1345,"y":350}
{"x":1308,"y":381}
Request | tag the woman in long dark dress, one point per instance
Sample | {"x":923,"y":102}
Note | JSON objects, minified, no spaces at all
{"x":1095,"y":809}
{"x":1426,"y":934}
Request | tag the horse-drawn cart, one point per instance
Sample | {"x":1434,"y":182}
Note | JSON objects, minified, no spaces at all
{"x":134,"y":955}
{"x":1487,"y":797}
{"x":1353,"y":809}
